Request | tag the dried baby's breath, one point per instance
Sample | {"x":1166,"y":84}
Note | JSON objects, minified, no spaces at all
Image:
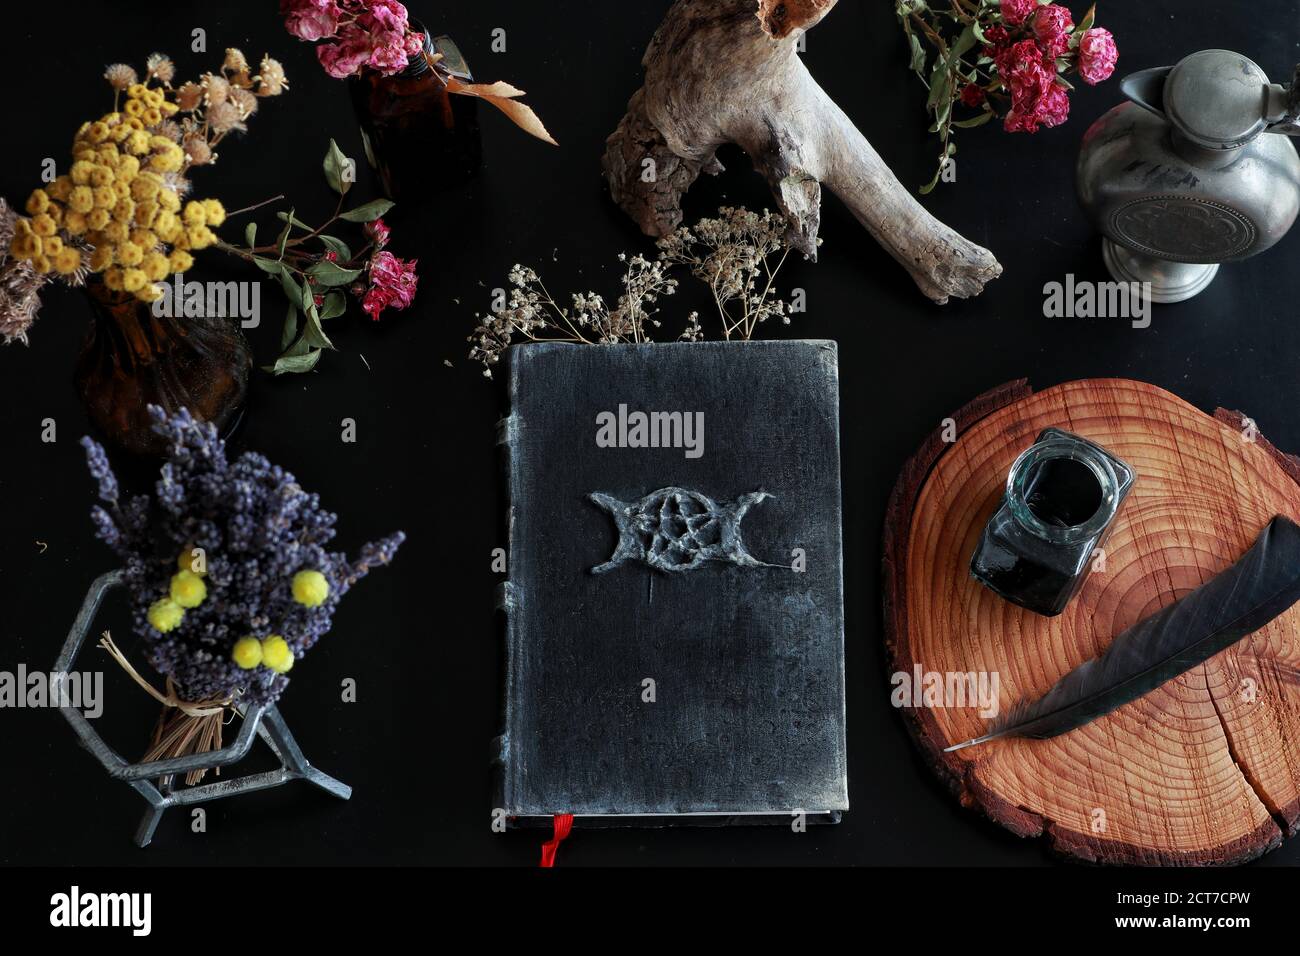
{"x":733,"y":255}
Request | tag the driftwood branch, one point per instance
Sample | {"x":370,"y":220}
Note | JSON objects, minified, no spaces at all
{"x":727,"y":71}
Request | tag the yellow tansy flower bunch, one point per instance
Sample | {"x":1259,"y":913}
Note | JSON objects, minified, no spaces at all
{"x":119,"y":210}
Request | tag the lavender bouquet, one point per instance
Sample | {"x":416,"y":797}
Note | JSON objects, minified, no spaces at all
{"x":230,"y":578}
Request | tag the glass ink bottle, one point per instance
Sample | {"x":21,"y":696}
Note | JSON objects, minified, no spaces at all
{"x":418,"y":136}
{"x":1062,"y":497}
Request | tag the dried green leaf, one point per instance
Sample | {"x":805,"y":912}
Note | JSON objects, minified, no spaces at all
{"x":335,"y":304}
{"x":291,"y":364}
{"x":337,"y":246}
{"x":328,"y":273}
{"x":290,"y":327}
{"x":250,"y":235}
{"x":369,"y":212}
{"x":339,"y":170}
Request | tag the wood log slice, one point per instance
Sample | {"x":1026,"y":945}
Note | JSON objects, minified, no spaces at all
{"x":1203,"y":770}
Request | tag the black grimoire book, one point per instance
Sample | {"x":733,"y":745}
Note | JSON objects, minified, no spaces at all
{"x":674,"y":604}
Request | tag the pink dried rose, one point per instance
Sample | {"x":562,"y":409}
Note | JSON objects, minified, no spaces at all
{"x":1016,"y":12}
{"x":347,"y":57}
{"x":1052,"y":26}
{"x":1029,"y":76}
{"x":1098,"y":55}
{"x":311,"y":20}
{"x":392,"y":284}
{"x":378,"y":232}
{"x":1053,"y":106}
{"x":384,"y":15}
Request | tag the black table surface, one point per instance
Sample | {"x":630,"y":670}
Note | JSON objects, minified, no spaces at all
{"x":420,"y":638}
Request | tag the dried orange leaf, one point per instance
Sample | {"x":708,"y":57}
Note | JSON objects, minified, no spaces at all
{"x":502,"y":95}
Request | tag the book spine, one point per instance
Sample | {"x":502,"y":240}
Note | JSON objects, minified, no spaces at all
{"x":508,"y":597}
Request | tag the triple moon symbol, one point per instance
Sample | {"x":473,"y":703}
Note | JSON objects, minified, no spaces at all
{"x":673,"y":530}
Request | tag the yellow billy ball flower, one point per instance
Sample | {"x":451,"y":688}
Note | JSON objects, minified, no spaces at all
{"x":98,"y":219}
{"x":134,"y":109}
{"x":152,"y":116}
{"x":166,"y":162}
{"x":60,"y":189}
{"x":124,"y":211}
{"x":129,"y":254}
{"x":169,"y":200}
{"x":106,"y":197}
{"x":310,"y":588}
{"x":41,"y":263}
{"x":151,"y":293}
{"x":156,"y":266}
{"x":133,"y":280}
{"x":133,"y":123}
{"x":200,"y":237}
{"x":43,"y":225}
{"x":67,"y":262}
{"x":169,"y":108}
{"x":101,"y":258}
{"x":128,"y":167}
{"x":247,"y":653}
{"x":136,"y":91}
{"x":97,"y":132}
{"x":181,"y":261}
{"x":215,"y":212}
{"x":146,"y":214}
{"x":101,"y":175}
{"x":76,"y":224}
{"x":137,"y":144}
{"x":154,"y":98}
{"x":194,"y":214}
{"x":55,"y":212}
{"x":82,"y":199}
{"x":189,"y":589}
{"x":276,"y":654}
{"x":145,"y":187}
{"x":52,"y":246}
{"x":37,"y":203}
{"x":80,"y":172}
{"x":116,"y":232}
{"x":143,"y":238}
{"x":165,"y":615}
{"x":114,"y":279}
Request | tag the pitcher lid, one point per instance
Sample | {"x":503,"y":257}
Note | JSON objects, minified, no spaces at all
{"x":1218,"y":99}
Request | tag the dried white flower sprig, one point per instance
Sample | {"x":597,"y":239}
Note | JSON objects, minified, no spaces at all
{"x":737,"y":255}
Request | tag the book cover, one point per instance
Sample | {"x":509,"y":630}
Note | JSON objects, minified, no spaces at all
{"x":675,"y":626}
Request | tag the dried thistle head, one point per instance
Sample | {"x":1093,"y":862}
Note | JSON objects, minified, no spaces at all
{"x":121,"y":77}
{"x":244,"y":101}
{"x":189,"y":97}
{"x":235,"y":61}
{"x":160,"y":66}
{"x":216,"y":89}
{"x":20,"y":285}
{"x":224,"y":117}
{"x":271,"y":80}
{"x":197,"y":150}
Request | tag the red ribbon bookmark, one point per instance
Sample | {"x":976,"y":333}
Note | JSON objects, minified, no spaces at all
{"x":563,"y":826}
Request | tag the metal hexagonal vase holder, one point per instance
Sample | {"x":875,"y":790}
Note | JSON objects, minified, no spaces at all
{"x":258,"y":720}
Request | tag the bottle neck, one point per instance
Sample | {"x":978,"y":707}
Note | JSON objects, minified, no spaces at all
{"x":1063,"y":492}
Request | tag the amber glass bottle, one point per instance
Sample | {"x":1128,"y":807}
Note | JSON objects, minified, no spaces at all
{"x":419,"y":137}
{"x":133,"y":358}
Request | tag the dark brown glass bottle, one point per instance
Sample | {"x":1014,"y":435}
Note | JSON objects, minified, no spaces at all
{"x":419,"y":137}
{"x":133,"y":358}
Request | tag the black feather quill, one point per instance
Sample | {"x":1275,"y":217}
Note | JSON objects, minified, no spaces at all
{"x":1263,"y":585}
